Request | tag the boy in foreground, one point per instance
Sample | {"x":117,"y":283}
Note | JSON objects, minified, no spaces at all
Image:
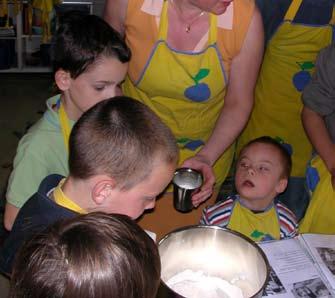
{"x":262,"y":172}
{"x":93,"y":255}
{"x":121,"y":158}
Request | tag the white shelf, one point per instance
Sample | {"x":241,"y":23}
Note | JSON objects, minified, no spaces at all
{"x":7,"y":37}
{"x":22,"y":39}
{"x":27,"y":69}
{"x":31,"y":36}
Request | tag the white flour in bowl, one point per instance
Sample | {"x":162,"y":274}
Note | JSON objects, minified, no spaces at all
{"x":196,"y":284}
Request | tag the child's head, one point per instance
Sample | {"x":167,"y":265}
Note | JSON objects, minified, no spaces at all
{"x":127,"y":153}
{"x":89,"y":61}
{"x":262,"y":172}
{"x":94,"y":255}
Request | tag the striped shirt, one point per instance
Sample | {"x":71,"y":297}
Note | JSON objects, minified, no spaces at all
{"x":221,"y":213}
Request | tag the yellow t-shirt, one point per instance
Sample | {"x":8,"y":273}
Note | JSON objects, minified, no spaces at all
{"x":62,"y":200}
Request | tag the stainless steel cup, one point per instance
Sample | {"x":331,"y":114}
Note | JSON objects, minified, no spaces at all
{"x":186,"y":182}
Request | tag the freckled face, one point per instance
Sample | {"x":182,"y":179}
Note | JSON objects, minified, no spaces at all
{"x":142,"y":196}
{"x":258,"y":175}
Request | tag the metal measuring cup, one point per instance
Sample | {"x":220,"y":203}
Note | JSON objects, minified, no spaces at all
{"x":186,"y":182}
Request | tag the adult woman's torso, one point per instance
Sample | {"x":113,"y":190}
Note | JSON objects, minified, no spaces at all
{"x":183,"y":76}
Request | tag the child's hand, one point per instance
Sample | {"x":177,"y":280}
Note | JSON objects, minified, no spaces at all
{"x":198,"y":162}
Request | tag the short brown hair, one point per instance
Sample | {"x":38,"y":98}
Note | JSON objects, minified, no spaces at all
{"x":120,"y":137}
{"x":82,"y":39}
{"x":94,"y":255}
{"x":284,"y":155}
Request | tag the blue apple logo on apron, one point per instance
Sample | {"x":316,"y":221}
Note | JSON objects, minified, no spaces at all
{"x":312,"y":178}
{"x":286,"y":146}
{"x":302,"y":78}
{"x":200,"y":91}
{"x":190,"y":144}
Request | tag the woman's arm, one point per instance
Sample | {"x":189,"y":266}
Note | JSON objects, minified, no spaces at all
{"x":115,"y":14}
{"x":237,"y":107}
{"x":240,"y":93}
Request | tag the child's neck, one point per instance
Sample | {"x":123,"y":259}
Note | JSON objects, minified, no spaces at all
{"x":78,"y":191}
{"x":258,"y":206}
{"x":71,"y":110}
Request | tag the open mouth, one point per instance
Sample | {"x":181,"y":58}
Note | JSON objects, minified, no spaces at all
{"x":248,"y":183}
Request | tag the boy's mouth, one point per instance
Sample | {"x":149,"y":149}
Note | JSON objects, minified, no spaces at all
{"x":248,"y":183}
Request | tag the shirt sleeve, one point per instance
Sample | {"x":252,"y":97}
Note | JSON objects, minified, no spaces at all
{"x":204,"y":219}
{"x":293,"y":233}
{"x":28,"y":172}
{"x":319,"y":94}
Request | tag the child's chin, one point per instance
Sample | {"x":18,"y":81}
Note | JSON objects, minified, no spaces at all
{"x":246,"y":192}
{"x":245,"y":196}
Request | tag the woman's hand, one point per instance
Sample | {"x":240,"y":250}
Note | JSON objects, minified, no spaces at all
{"x":201,"y":164}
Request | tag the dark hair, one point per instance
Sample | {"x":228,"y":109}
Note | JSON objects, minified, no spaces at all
{"x":284,"y":154}
{"x":96,"y":255}
{"x":81,"y":39}
{"x":122,"y":138}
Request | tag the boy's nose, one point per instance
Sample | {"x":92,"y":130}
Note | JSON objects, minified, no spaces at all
{"x":150,"y":205}
{"x":112,"y":91}
{"x":251,"y":171}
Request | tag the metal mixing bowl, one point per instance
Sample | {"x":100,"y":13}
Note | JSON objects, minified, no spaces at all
{"x":217,"y":252}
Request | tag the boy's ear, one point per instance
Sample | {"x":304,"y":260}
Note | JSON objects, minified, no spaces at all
{"x":102,"y":191}
{"x":282,"y":184}
{"x":62,"y":79}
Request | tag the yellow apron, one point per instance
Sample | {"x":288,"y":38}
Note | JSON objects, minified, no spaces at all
{"x":319,"y":217}
{"x":287,"y":66}
{"x":256,"y":226}
{"x":45,"y":7}
{"x":186,"y":90}
{"x":64,"y":125}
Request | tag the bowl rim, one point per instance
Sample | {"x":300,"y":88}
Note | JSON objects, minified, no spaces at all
{"x":253,"y":243}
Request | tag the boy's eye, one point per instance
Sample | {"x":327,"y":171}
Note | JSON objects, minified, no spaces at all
{"x":99,"y":88}
{"x":263,"y":168}
{"x":243,"y":165}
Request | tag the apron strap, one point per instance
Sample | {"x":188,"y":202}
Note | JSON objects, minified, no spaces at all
{"x":163,"y":23}
{"x":332,"y":21}
{"x":294,"y":7}
{"x":292,"y":10}
{"x":212,"y":28}
{"x":65,"y":126}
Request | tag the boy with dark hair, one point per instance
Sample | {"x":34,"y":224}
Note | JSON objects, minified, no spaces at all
{"x":121,"y":158}
{"x":262,"y":172}
{"x":89,"y":62}
{"x":93,"y":255}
